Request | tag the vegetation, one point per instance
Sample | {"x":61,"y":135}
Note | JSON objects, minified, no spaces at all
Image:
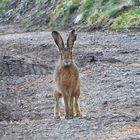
{"x":41,"y":2}
{"x":127,"y":20}
{"x":3,"y":6}
{"x":116,"y":15}
{"x":112,"y":14}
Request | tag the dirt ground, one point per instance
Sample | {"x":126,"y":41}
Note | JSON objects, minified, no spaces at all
{"x":109,"y":65}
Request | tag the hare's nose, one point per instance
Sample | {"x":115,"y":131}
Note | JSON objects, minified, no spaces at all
{"x":67,"y":63}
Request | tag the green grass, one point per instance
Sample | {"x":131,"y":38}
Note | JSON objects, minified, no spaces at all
{"x":3,"y":6}
{"x":119,"y":14}
{"x":127,"y":20}
{"x":105,"y":11}
{"x":87,"y":6}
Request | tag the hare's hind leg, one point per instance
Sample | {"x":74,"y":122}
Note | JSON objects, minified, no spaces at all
{"x":57,"y":95}
{"x":77,"y":104}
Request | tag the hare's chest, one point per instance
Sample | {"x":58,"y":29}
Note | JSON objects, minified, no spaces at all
{"x":66,"y":77}
{"x":66,"y":80}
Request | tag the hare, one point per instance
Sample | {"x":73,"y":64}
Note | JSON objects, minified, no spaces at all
{"x":66,"y":77}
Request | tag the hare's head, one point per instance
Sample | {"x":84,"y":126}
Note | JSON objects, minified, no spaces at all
{"x":65,"y":51}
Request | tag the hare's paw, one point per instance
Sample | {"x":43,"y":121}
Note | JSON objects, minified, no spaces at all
{"x":71,"y":116}
{"x":57,"y":117}
{"x":66,"y":117}
{"x":78,"y":115}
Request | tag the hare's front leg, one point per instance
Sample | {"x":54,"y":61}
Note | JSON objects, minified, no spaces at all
{"x":71,"y":108}
{"x":66,"y":100}
{"x":57,"y":95}
{"x":77,"y":104}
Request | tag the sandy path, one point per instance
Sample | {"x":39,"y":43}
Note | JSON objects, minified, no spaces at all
{"x":109,"y":65}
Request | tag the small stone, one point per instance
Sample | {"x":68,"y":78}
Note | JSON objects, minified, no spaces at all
{"x":105,"y":103}
{"x":138,"y":73}
{"x":134,"y":38}
{"x":120,"y":86}
{"x":50,"y":81}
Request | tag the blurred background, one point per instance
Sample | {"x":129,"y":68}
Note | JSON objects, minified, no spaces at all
{"x":116,"y":15}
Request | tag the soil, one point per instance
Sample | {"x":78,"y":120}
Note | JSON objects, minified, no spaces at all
{"x":109,"y":66}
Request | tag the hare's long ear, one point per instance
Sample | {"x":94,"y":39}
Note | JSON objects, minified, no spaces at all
{"x":71,"y":39}
{"x":58,"y":39}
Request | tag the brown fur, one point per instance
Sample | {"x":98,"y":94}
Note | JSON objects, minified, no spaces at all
{"x":66,"y":78}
